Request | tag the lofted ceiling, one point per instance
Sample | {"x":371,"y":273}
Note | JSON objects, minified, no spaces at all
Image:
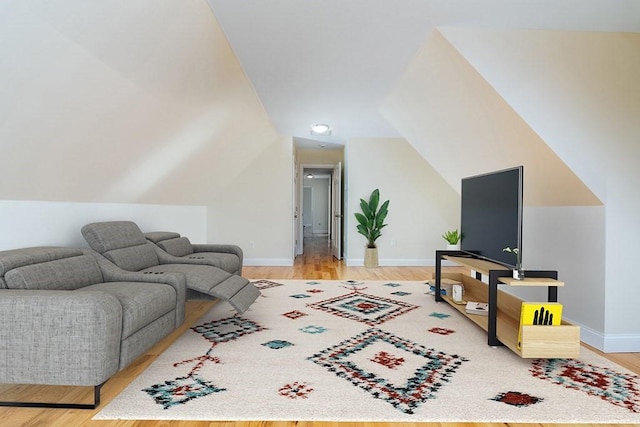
{"x":334,"y":61}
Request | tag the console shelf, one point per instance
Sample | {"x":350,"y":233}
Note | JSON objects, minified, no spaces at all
{"x":503,"y":320}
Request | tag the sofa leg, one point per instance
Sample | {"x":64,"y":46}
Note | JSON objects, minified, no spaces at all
{"x":94,"y":405}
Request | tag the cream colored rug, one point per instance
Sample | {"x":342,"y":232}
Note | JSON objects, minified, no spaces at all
{"x":365,"y":351}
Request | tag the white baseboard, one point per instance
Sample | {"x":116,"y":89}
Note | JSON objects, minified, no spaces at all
{"x":609,"y":343}
{"x":268,"y":262}
{"x":420,"y":262}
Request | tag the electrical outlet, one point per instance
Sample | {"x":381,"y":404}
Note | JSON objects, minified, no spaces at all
{"x":252,"y":244}
{"x":394,"y":242}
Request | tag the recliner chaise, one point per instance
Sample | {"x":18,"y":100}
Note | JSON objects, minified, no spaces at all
{"x":226,"y":257}
{"x":124,"y":244}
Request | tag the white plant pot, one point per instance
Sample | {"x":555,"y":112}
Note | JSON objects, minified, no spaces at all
{"x":453,"y":247}
{"x":518,"y":273}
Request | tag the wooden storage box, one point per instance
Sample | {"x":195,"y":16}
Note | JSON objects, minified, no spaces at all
{"x":547,"y":342}
{"x":561,"y":341}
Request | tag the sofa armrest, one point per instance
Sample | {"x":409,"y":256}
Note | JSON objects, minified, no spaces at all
{"x":222,"y":248}
{"x":59,"y":337}
{"x":113,"y":273}
{"x":167,"y":258}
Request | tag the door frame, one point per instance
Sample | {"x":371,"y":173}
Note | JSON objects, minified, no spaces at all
{"x":329,"y":167}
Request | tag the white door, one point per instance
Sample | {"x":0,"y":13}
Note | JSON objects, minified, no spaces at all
{"x":297,"y":215}
{"x":336,"y":208}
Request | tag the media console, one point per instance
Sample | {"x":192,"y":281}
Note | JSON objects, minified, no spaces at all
{"x":503,"y":320}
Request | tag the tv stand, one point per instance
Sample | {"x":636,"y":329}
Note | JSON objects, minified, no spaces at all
{"x":503,"y":320}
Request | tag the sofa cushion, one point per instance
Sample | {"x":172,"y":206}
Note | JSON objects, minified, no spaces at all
{"x":180,"y":246}
{"x":158,"y":236}
{"x":106,"y":236}
{"x":201,"y":278}
{"x":227,"y":262}
{"x":62,"y":274}
{"x":134,"y":258}
{"x":142,"y":303}
{"x":18,"y":257}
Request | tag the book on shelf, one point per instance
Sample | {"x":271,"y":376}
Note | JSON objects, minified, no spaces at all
{"x":539,"y":313}
{"x":474,"y":307}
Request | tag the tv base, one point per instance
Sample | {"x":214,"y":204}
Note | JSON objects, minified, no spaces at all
{"x":502,"y":321}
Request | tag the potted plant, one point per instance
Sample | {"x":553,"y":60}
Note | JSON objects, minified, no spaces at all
{"x":518,"y":272}
{"x":453,"y":239}
{"x":370,"y":222}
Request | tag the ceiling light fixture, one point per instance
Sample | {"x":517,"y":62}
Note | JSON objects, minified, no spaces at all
{"x":320,"y":129}
{"x":309,"y":175}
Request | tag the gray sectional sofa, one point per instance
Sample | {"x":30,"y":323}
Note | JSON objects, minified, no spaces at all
{"x":76,"y":317}
{"x":70,"y":317}
{"x":124,"y":244}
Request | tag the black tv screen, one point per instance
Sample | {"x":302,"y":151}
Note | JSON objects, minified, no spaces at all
{"x":491,"y":215}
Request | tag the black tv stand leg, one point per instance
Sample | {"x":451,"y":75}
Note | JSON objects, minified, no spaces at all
{"x":492,"y":338}
{"x":438,"y":295}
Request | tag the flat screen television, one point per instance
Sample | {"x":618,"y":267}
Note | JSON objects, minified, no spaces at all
{"x":491,"y":215}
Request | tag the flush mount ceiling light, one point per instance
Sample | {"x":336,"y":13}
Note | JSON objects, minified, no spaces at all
{"x":309,"y":175}
{"x":320,"y":129}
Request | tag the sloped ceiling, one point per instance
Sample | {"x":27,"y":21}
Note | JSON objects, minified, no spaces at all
{"x":122,"y":101}
{"x":334,"y":61}
{"x":459,"y":123}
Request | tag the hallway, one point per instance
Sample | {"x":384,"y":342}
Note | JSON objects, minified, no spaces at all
{"x":318,"y":263}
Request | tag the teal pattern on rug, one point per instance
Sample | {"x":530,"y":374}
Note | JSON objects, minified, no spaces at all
{"x":422,"y":385}
{"x":614,"y":387}
{"x":395,"y":353}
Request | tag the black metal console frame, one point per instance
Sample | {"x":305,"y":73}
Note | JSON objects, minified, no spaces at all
{"x":94,"y":405}
{"x":494,"y":280}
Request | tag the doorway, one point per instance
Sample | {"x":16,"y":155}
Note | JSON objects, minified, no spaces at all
{"x":320,"y":206}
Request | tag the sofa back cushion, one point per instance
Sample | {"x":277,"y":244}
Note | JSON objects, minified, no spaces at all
{"x":177,"y":247}
{"x":122,"y":243}
{"x":62,"y":274}
{"x":15,"y":258}
{"x":134,"y":258}
{"x":110,"y":235}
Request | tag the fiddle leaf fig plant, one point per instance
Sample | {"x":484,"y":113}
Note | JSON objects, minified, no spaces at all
{"x":371,"y":220}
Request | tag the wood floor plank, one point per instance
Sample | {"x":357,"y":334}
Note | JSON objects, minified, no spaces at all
{"x":316,"y":263}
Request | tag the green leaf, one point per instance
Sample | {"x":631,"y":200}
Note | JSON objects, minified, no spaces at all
{"x":372,"y":218}
{"x":374,"y":199}
{"x":361,"y":219}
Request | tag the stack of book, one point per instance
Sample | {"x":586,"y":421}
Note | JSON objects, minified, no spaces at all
{"x":474,"y":307}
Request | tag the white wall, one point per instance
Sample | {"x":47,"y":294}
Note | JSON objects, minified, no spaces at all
{"x":255,"y":209}
{"x":565,"y":105}
{"x":36,"y":223}
{"x":579,"y":92}
{"x":422,"y":206}
{"x":136,"y":103}
{"x":571,"y":241}
{"x":320,"y":203}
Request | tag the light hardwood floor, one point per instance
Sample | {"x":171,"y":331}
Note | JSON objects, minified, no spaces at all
{"x":316,"y":263}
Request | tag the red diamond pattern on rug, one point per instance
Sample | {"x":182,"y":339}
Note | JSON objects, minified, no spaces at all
{"x":369,"y":309}
{"x":614,"y":387}
{"x":388,"y":360}
{"x":295,"y":314}
{"x":515,"y":398}
{"x":429,"y":371}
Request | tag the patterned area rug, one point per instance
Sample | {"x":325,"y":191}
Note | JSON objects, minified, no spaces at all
{"x":365,"y":351}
